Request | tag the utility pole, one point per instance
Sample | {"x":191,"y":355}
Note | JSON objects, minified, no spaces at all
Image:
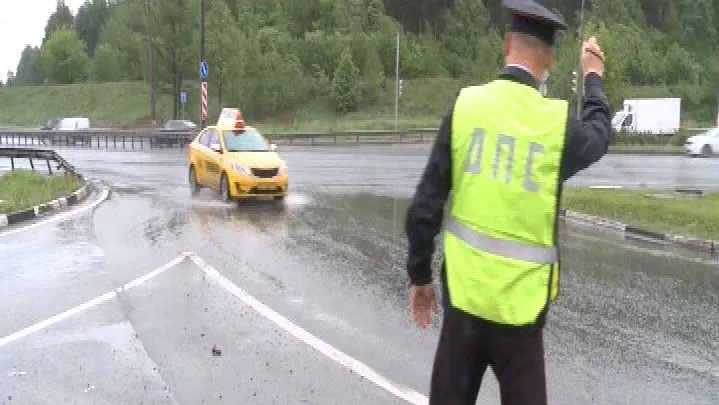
{"x":203,"y":80}
{"x":396,"y":85}
{"x":151,"y":65}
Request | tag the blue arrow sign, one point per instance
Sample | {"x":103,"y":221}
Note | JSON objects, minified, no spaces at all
{"x":183,"y":97}
{"x":203,"y":71}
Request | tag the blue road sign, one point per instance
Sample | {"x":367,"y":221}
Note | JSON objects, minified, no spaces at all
{"x":183,"y":97}
{"x":203,"y":71}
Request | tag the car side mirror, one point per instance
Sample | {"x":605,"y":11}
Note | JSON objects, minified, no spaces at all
{"x":273,"y":147}
{"x":216,"y":147}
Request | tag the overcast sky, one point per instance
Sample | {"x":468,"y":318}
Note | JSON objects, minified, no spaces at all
{"x":23,"y":24}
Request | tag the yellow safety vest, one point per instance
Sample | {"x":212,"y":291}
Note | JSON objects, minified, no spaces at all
{"x":501,"y":257}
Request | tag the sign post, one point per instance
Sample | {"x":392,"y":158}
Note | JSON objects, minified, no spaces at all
{"x":396,"y":85}
{"x":183,"y":101}
{"x":204,"y":73}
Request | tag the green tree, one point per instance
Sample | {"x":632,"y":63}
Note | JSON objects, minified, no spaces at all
{"x":368,"y":64}
{"x":173,"y":23}
{"x":469,"y":42}
{"x":222,"y":38}
{"x":124,"y":35}
{"x":345,"y":84}
{"x":61,"y":18}
{"x":64,"y":58}
{"x":30,"y":69}
{"x":614,"y":43}
{"x":91,"y":17}
{"x":277,"y":56}
{"x":106,"y":65}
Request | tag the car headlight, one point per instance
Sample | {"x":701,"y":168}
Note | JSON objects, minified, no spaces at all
{"x":283,"y":170}
{"x":241,"y":169}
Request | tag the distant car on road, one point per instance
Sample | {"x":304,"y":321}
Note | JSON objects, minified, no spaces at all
{"x":67,"y":124}
{"x":705,"y":144}
{"x":179,"y":125}
{"x":74,"y":127}
{"x":237,"y":161}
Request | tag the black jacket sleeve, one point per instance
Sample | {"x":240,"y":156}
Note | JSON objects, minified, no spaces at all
{"x":424,"y":215}
{"x":588,"y":138}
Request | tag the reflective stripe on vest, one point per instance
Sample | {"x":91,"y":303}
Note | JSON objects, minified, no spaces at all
{"x":506,"y":248}
{"x":499,"y":242}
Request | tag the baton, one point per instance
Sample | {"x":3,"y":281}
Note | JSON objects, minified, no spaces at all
{"x":580,"y":77}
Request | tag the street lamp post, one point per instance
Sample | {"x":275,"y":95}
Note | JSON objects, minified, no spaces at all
{"x":396,"y":85}
{"x":203,"y":80}
{"x":151,"y":64}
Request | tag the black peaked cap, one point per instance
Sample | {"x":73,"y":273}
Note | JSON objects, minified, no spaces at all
{"x":533,"y":18}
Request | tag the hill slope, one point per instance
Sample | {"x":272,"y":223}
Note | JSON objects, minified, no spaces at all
{"x":126,"y":104}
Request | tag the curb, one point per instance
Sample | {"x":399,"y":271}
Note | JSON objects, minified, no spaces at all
{"x":42,"y":210}
{"x":710,"y":247}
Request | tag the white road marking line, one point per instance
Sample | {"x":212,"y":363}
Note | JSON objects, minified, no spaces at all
{"x":92,"y":303}
{"x":321,"y":346}
{"x":61,"y":216}
{"x":402,"y":392}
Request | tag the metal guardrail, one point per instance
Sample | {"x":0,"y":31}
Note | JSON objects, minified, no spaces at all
{"x":48,"y":155}
{"x":153,"y":138}
{"x":108,"y":139}
{"x":418,"y":135}
{"x":142,"y":139}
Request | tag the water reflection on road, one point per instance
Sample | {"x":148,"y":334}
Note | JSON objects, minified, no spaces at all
{"x":635,"y":324}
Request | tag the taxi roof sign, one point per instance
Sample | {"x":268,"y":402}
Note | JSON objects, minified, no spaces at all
{"x":231,"y":117}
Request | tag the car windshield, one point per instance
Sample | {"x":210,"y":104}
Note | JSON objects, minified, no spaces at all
{"x":618,"y":118}
{"x":247,"y":141}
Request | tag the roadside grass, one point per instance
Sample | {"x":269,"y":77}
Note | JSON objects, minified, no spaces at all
{"x":659,"y":211}
{"x":647,"y":149}
{"x":377,"y":119}
{"x":21,"y":189}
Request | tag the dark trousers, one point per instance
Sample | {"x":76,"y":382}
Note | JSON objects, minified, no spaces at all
{"x":468,"y":345}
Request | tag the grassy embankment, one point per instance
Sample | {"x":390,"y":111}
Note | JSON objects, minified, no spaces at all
{"x":423,"y":104}
{"x":21,"y":189}
{"x":694,"y":216}
{"x":127,"y":105}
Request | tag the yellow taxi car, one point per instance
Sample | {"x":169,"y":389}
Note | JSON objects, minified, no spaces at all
{"x":236,"y":160}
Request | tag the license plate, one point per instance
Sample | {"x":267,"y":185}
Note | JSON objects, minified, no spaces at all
{"x":266,"y":187}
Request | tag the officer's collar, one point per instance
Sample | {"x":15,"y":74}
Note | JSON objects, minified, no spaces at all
{"x":520,"y":75}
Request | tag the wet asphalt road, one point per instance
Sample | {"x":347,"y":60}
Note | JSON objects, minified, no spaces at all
{"x":634,"y":325}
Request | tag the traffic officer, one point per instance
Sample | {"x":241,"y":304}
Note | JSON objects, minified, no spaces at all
{"x":502,"y":153}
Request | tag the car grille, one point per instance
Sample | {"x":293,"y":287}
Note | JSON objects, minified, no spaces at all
{"x":256,"y":190}
{"x":265,"y":173}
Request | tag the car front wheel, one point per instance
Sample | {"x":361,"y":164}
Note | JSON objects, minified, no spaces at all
{"x":706,"y":151}
{"x":194,"y":185}
{"x":225,"y":188}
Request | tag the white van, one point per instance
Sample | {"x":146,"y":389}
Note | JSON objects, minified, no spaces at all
{"x":72,"y":124}
{"x":658,"y":116}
